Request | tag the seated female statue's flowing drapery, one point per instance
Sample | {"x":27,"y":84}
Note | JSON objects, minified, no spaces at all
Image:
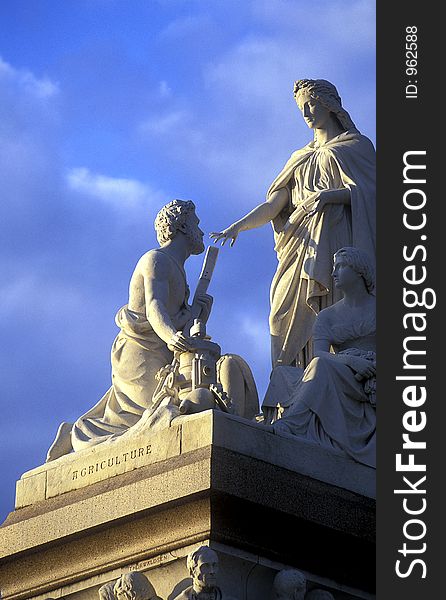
{"x":329,"y":405}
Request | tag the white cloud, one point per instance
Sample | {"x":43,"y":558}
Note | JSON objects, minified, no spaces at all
{"x":257,"y":70}
{"x":117,"y":192}
{"x":252,"y":340}
{"x":164,"y":89}
{"x":164,"y":124}
{"x":29,"y":159}
{"x":186,"y":27}
{"x":241,"y":124}
{"x":41,"y":88}
{"x":256,"y":331}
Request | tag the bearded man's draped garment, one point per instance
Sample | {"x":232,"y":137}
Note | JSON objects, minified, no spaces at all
{"x":305,"y":243}
{"x":136,"y":357}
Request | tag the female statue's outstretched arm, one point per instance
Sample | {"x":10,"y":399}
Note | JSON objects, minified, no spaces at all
{"x":260,"y":215}
{"x":272,"y":207}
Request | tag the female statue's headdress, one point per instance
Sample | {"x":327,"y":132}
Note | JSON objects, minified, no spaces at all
{"x":326,"y":93}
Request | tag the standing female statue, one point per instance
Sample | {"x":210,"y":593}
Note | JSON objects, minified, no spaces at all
{"x":322,"y":200}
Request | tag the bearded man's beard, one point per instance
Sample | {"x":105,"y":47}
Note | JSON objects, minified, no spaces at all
{"x":196,"y":239}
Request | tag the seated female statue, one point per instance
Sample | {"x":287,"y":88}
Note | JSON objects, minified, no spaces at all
{"x":334,"y":402}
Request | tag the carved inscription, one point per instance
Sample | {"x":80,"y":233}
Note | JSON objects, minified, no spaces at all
{"x":160,"y":559}
{"x":112,"y":462}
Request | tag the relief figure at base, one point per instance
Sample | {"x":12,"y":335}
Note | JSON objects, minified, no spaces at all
{"x":289,"y":584}
{"x":202,"y":565}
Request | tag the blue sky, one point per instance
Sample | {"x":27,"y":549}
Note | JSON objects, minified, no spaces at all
{"x":108,"y":110}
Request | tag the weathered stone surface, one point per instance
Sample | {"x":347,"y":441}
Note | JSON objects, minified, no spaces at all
{"x":228,"y":481}
{"x":102,"y":503}
{"x":90,"y":552}
{"x":95,"y":464}
{"x":187,"y":434}
{"x":197,"y":431}
{"x":241,"y":574}
{"x":281,"y":449}
{"x":30,"y":489}
{"x":110,"y":459}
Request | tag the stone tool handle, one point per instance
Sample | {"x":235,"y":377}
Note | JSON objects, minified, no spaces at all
{"x":206,"y":275}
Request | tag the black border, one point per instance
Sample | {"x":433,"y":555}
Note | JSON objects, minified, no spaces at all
{"x":405,"y":124}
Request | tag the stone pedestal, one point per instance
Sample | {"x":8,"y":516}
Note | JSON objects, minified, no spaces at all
{"x":263,"y":501}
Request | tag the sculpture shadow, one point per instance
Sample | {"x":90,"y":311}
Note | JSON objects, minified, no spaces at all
{"x":179,"y":588}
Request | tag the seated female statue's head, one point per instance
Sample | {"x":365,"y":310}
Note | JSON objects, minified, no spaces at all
{"x":359,"y":262}
{"x":319,"y":100}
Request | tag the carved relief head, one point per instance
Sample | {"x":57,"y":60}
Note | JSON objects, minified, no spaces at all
{"x":319,"y":595}
{"x":134,"y":586}
{"x":106,"y":591}
{"x":323,"y":95}
{"x":179,"y":216}
{"x":289,"y":584}
{"x":202,"y":564}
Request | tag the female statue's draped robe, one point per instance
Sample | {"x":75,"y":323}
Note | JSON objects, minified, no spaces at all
{"x":305,"y":243}
{"x":328,"y":405}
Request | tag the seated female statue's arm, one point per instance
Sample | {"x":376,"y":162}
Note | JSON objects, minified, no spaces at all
{"x":362,"y":367}
{"x":260,"y":215}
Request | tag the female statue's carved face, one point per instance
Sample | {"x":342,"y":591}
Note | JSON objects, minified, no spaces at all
{"x":315,"y":115}
{"x":343,"y":274}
